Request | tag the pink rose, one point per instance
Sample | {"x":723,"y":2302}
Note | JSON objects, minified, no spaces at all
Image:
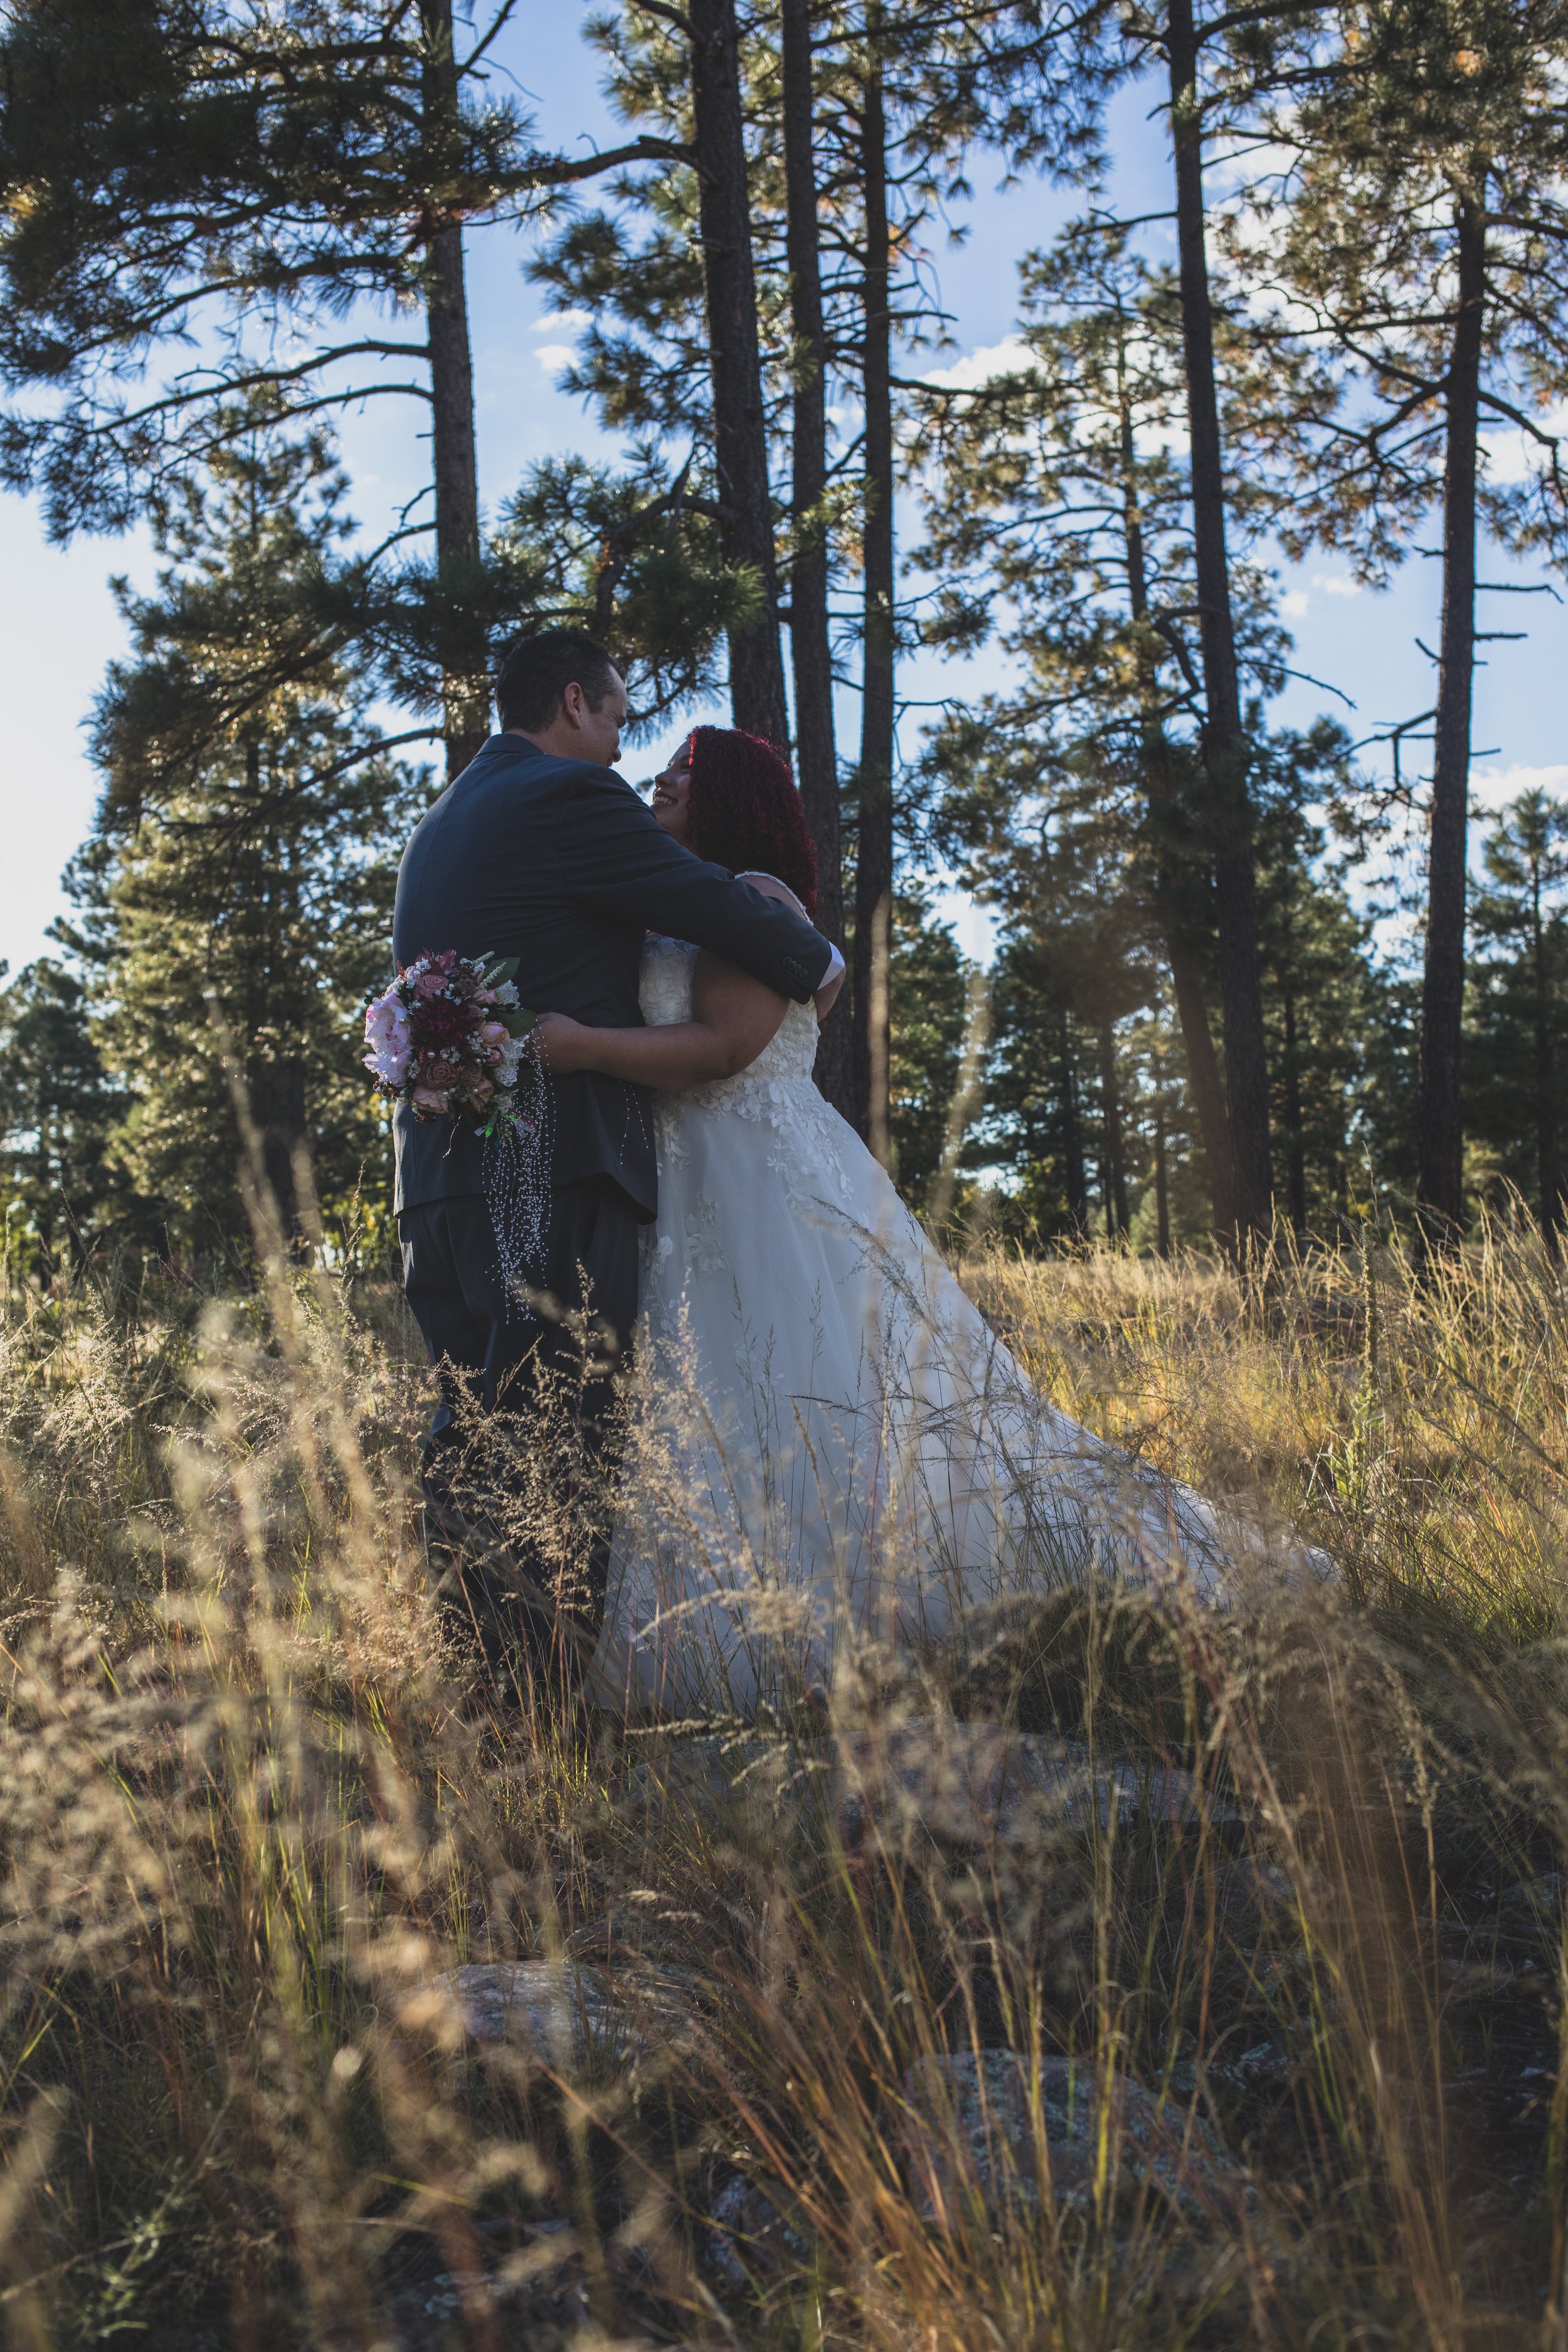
{"x":495,"y":1035}
{"x":386,"y":1033}
{"x":437,"y":1073}
{"x":430,"y":984}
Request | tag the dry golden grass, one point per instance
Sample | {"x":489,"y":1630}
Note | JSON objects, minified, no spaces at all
{"x":1316,"y":2092}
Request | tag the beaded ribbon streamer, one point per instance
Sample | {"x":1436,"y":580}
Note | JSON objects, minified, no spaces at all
{"x":517,"y":1165}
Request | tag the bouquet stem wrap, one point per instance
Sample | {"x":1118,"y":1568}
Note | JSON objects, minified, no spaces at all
{"x":518,"y":1164}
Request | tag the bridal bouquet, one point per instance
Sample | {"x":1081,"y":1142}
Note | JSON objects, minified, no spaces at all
{"x":449,"y":1035}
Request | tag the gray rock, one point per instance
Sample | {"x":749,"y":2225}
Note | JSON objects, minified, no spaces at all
{"x":566,"y":2014}
{"x":987,"y":2124}
{"x":750,"y":2233}
{"x":1262,"y":2066}
{"x":958,"y":1784}
{"x":547,"y":2006}
{"x":980,"y":1784}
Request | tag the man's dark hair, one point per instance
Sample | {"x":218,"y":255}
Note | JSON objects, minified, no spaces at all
{"x":536,"y":672}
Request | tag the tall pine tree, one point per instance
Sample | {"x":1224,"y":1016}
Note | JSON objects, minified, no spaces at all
{"x":1059,"y":519}
{"x":1518,"y":1010}
{"x":1420,"y":240}
{"x":178,"y":172}
{"x":236,"y":903}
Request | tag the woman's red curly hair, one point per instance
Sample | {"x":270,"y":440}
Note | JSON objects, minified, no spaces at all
{"x":743,"y":812}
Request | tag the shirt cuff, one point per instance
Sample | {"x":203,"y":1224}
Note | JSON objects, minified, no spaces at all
{"x":835,"y":967}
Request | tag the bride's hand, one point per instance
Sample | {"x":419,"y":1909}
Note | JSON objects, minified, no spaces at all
{"x":563,"y":1043}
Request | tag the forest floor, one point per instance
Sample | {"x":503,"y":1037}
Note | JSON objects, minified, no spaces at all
{"x":1146,"y":1976}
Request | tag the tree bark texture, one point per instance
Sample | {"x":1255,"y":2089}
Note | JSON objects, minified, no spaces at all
{"x":465,"y":684}
{"x":740,"y":428}
{"x":1440,"y":1135}
{"x":1227,"y":807}
{"x":1192,"y":1009}
{"x":874,"y":858}
{"x":811,"y":649}
{"x":1075,"y":1183}
{"x":1162,"y":1183}
{"x":1295,"y":1141}
{"x":276,"y":1078}
{"x":1118,"y":1223}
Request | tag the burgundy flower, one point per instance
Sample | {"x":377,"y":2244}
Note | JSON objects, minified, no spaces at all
{"x":443,"y":1025}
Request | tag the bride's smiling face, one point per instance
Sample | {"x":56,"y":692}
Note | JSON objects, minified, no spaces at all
{"x":672,"y":796}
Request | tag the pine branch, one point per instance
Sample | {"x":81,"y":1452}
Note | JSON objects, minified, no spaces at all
{"x":667,"y":15}
{"x":499,"y":23}
{"x":1268,"y":14}
{"x":558,"y":169}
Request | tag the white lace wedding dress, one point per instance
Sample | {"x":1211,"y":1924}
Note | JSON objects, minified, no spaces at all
{"x":831,"y":1446}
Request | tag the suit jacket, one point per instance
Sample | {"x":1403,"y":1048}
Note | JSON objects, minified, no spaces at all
{"x":560,"y":864}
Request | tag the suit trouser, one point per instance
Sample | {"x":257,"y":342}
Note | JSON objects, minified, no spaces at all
{"x":520,"y":1457}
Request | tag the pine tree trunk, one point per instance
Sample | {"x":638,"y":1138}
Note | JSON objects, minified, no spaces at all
{"x":277,"y":1080}
{"x":740,"y":427}
{"x":466,"y":692}
{"x":874,"y":856}
{"x":1192,"y":1011}
{"x":1440,"y":1177}
{"x":810,"y":646}
{"x":1295,"y":1146}
{"x":1074,"y":1182}
{"x":1162,"y":1183}
{"x":1228,"y":809}
{"x":279,"y":1109}
{"x":1204,"y":1077}
{"x":1118,"y":1223}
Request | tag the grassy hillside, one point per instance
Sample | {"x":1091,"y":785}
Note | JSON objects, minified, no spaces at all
{"x":1272,"y":1914}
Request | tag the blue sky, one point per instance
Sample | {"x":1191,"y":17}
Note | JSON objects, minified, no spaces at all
{"x":58,"y":625}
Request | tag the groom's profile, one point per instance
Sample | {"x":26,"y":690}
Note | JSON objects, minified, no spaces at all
{"x":538,"y":851}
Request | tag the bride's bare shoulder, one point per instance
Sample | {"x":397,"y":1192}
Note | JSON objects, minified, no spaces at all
{"x":770,"y":887}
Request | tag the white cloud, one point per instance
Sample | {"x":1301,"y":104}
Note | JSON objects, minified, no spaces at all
{"x":1493,"y":788}
{"x":553,"y":357}
{"x":1294,"y":606}
{"x":554,"y":321}
{"x":1336,"y":583}
{"x":1513,"y":455}
{"x":981,"y":366}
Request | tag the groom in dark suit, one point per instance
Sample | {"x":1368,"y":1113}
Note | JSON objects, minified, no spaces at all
{"x":538,"y":850}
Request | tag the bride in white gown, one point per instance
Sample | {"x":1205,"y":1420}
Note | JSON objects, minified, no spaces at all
{"x":827,"y":1439}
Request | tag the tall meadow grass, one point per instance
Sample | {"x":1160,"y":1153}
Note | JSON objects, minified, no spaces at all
{"x":1238,"y":2021}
